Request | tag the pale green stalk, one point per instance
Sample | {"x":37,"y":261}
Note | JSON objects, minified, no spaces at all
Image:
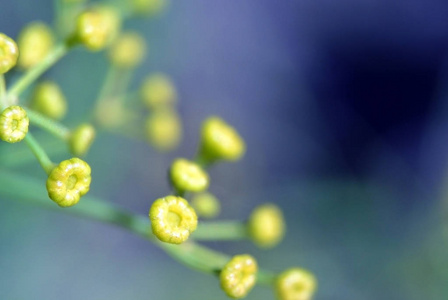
{"x":48,"y":124}
{"x":35,"y":72}
{"x":221,"y":230}
{"x":39,"y":152}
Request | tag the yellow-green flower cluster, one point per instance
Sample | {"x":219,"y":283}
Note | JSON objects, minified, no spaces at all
{"x":239,"y":276}
{"x":9,"y":53}
{"x":81,"y":139}
{"x":220,"y":141}
{"x":69,"y":181}
{"x":295,"y":284}
{"x":148,"y":7}
{"x":35,"y":42}
{"x":48,"y":99}
{"x":172,"y":219}
{"x":266,"y":225}
{"x":163,"y":126}
{"x":206,"y":205}
{"x":97,"y":27}
{"x":14,"y":124}
{"x":188,"y":176}
{"x":128,"y":50}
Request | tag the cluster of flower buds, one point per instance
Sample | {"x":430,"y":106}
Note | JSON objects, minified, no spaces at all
{"x":163,"y":125}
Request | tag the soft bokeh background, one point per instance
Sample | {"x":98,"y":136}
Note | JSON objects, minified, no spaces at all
{"x":343,"y":105}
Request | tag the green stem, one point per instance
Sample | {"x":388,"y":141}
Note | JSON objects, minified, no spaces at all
{"x":39,"y":152}
{"x":3,"y":103}
{"x":193,"y":255}
{"x":30,"y":76}
{"x":49,"y":125}
{"x":222,"y":231}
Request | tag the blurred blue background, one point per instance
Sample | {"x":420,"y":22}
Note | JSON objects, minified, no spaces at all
{"x":343,"y":106}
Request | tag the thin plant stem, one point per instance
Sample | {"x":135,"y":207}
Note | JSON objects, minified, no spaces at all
{"x":53,"y":127}
{"x":30,"y":76}
{"x":221,"y":230}
{"x":193,"y":255}
{"x":39,"y":152}
{"x":3,"y":102}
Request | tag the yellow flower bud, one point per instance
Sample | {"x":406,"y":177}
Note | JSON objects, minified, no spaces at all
{"x":295,"y":284}
{"x":97,"y":27}
{"x":128,"y":50}
{"x":81,"y":139}
{"x":35,"y":42}
{"x":172,"y":219}
{"x":163,"y":130}
{"x":220,"y":141}
{"x":158,"y":91}
{"x":48,"y":99}
{"x":188,"y":176}
{"x":9,"y":53}
{"x":149,"y":7}
{"x":266,"y":225}
{"x":14,"y":124}
{"x":206,"y":205}
{"x":69,"y":181}
{"x":239,"y":276}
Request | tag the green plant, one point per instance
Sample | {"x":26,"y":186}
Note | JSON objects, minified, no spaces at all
{"x":173,"y":223}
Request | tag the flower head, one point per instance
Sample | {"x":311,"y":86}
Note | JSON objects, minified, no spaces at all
{"x":9,"y":53}
{"x":148,"y":7}
{"x":172,"y":219}
{"x":158,"y":91}
{"x":188,"y":176}
{"x":206,"y":205}
{"x":239,"y":276}
{"x":14,"y":124}
{"x":266,"y":225}
{"x":295,"y":284}
{"x":68,"y":181}
{"x":163,"y":130}
{"x":220,"y":141}
{"x":49,"y":100}
{"x":35,"y":42}
{"x":81,"y":139}
{"x":128,"y":50}
{"x":97,"y":27}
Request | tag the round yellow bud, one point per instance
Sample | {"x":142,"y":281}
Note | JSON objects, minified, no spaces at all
{"x":149,"y":7}
{"x":163,"y":130}
{"x":69,"y":181}
{"x":128,"y":50}
{"x":35,"y":42}
{"x":81,"y":139}
{"x":266,"y":225}
{"x":206,"y":205}
{"x":172,"y":219}
{"x":14,"y":124}
{"x":97,"y":27}
{"x":9,"y":53}
{"x":186,"y":175}
{"x":239,"y":276}
{"x":295,"y":284}
{"x":158,"y":91}
{"x":220,"y":141}
{"x":48,"y":99}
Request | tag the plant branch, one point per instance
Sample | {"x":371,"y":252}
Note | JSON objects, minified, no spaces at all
{"x":48,"y":124}
{"x":39,"y":152}
{"x":31,"y":75}
{"x":190,"y":254}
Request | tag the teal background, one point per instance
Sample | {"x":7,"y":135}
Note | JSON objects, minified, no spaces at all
{"x":343,"y":109}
